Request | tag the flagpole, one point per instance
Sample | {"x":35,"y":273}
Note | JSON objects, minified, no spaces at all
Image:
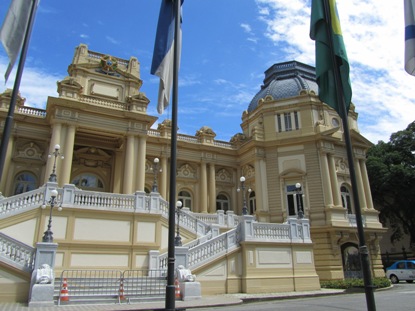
{"x":9,"y":120}
{"x":363,"y":250}
{"x":170,"y":289}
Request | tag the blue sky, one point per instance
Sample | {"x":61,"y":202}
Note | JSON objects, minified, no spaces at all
{"x":227,"y":46}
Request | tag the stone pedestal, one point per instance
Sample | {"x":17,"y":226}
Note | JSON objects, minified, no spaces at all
{"x":41,"y":296}
{"x":41,"y":291}
{"x":190,"y":290}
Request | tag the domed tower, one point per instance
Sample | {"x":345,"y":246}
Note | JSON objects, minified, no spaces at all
{"x":294,"y":150}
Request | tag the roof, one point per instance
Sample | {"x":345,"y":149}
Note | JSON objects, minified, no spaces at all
{"x":284,"y":80}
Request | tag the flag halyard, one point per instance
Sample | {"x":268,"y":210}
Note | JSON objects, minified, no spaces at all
{"x":324,"y":65}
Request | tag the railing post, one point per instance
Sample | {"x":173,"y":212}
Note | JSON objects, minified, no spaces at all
{"x":140,"y":201}
{"x":154,"y":201}
{"x":43,"y":279}
{"x":153,"y":261}
{"x":221,"y":217}
{"x":49,"y":186}
{"x":215,"y":230}
{"x":305,"y":224}
{"x":247,"y":228}
{"x":292,"y":222}
{"x":68,"y":195}
{"x":231,"y":219}
{"x":182,"y":256}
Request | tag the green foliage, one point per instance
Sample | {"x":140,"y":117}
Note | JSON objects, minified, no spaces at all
{"x":355,"y":283}
{"x":391,"y":170}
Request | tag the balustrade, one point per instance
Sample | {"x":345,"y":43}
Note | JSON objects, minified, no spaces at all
{"x":16,"y":253}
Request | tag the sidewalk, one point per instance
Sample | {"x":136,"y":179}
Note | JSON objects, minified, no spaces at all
{"x":208,"y":301}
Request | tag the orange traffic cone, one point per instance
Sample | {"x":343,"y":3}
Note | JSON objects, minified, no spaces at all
{"x":64,"y":295}
{"x":177,"y":291}
{"x":121,"y":292}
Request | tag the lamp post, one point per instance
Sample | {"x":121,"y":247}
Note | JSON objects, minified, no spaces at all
{"x":243,"y":188}
{"x":178,"y":238}
{"x":156,"y":170}
{"x":56,"y":154}
{"x":299,"y":199}
{"x":48,"y":235}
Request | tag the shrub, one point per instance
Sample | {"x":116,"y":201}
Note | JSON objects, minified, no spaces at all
{"x":352,"y":283}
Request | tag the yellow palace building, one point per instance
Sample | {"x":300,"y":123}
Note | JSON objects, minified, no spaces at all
{"x":294,"y":212}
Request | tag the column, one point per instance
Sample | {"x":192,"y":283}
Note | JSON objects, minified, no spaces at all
{"x":129,"y":165}
{"x":238,"y":200}
{"x":118,"y":171}
{"x":328,"y":195}
{"x":369,"y":200}
{"x":163,"y":177}
{"x":359,"y":183}
{"x":56,"y":137}
{"x":203,"y":188}
{"x":67,"y":151}
{"x":7,"y":172}
{"x":333,"y":180}
{"x":258,"y":188}
{"x":212,"y":188}
{"x":141,"y":164}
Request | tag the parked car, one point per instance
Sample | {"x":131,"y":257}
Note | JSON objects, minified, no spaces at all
{"x":403,"y":270}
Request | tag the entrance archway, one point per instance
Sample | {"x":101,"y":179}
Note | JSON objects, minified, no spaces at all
{"x":351,"y":261}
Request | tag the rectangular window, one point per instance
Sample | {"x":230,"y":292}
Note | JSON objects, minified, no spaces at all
{"x":294,"y":200}
{"x":287,"y":120}
{"x":296,"y":122}
{"x":279,"y":123}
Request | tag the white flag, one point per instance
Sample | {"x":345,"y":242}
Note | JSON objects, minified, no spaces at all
{"x":409,"y":6}
{"x":13,"y":31}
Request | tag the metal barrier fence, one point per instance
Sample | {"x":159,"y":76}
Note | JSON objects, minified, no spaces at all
{"x":144,"y":283}
{"x":83,"y":286}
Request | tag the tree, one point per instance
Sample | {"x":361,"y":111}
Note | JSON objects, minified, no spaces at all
{"x":391,"y":170}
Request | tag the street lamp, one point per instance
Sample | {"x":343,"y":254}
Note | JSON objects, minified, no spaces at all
{"x":299,"y":199}
{"x":56,"y":154}
{"x":156,"y":170}
{"x":243,"y":188}
{"x":48,"y":235}
{"x":178,"y":239}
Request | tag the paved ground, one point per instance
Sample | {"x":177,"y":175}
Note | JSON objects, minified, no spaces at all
{"x":209,"y":301}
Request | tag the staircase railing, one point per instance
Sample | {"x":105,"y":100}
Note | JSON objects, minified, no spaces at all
{"x":16,"y":254}
{"x":194,"y":255}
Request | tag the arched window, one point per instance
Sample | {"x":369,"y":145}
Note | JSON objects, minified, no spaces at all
{"x":186,"y":199}
{"x":88,"y":181}
{"x":346,"y":199}
{"x":222,"y":202}
{"x":252,"y":203}
{"x":24,"y":182}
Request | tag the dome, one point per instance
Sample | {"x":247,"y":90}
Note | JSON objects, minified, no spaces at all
{"x":286,"y":80}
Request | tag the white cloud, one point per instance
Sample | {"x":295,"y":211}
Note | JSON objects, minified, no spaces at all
{"x":35,"y":85}
{"x":374,"y":37}
{"x":112,"y":40}
{"x":247,"y":28}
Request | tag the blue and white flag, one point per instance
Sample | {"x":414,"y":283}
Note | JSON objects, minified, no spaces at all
{"x":14,"y":29}
{"x":409,"y":6}
{"x":163,"y":57}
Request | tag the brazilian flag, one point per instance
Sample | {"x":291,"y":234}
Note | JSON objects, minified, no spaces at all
{"x":321,"y":24}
